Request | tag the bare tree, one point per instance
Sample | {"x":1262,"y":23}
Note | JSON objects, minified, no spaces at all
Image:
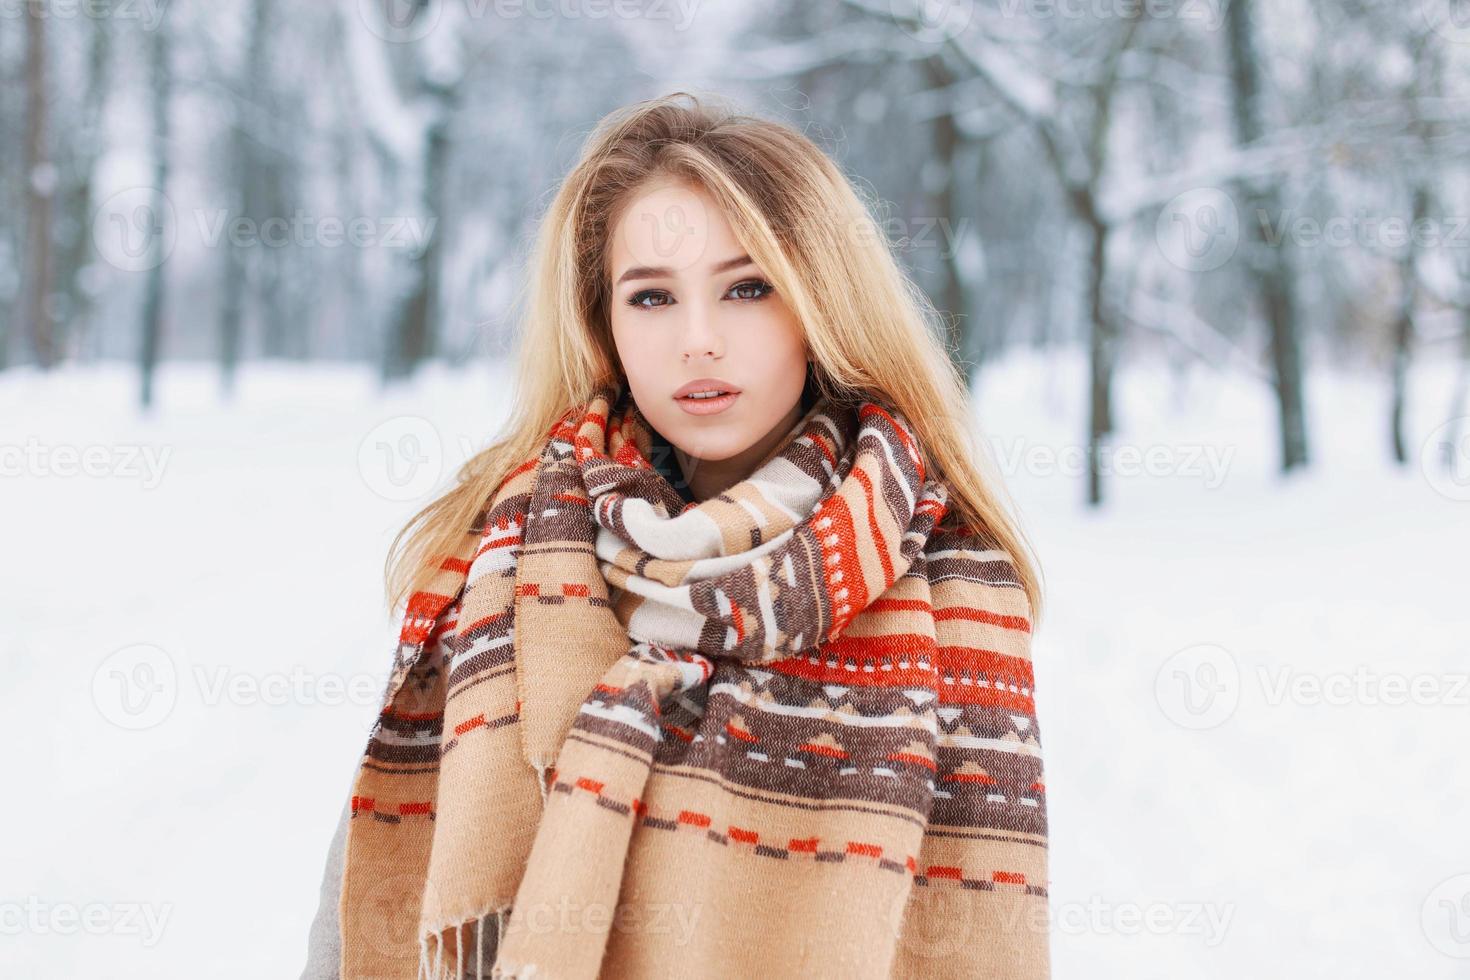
{"x":953,"y":296}
{"x":160,"y":89}
{"x":243,"y":179}
{"x":422,"y":91}
{"x":1269,"y":266}
{"x":75,"y":248}
{"x":1419,"y":167}
{"x":1075,"y":145}
{"x":40,"y":183}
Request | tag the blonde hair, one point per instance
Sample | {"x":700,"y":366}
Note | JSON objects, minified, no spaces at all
{"x":870,"y":331}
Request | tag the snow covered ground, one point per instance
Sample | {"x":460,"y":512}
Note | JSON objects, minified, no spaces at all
{"x":1253,"y":692}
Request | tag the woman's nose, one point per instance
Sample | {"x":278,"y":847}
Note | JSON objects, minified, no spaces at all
{"x":700,"y":338}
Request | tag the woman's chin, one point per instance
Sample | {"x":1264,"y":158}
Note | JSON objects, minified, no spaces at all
{"x":707,"y":443}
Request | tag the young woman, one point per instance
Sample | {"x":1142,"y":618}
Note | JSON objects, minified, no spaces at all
{"x":718,"y":663}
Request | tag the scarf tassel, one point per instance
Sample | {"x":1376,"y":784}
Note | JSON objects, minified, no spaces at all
{"x":433,"y":954}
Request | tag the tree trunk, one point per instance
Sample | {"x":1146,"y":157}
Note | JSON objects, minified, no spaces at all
{"x":161,"y":82}
{"x":951,"y":287}
{"x":1271,"y":270}
{"x":40,"y":186}
{"x":1403,"y":331}
{"x":415,"y":334}
{"x":79,"y":252}
{"x":1102,"y":353}
{"x":246,"y":165}
{"x":1459,"y":397}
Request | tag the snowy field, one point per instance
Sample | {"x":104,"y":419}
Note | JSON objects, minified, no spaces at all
{"x":1252,"y":692}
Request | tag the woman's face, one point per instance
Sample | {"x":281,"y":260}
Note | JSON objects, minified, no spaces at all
{"x":690,"y":311}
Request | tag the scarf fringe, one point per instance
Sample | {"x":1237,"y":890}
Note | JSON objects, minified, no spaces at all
{"x":432,"y":954}
{"x":541,"y":768}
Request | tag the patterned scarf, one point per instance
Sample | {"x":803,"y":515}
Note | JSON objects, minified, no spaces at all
{"x":785,"y":730}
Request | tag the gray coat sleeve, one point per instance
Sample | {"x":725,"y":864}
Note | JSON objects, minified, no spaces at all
{"x":324,"y":944}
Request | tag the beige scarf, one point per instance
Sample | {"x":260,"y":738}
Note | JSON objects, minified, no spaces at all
{"x":785,"y":731}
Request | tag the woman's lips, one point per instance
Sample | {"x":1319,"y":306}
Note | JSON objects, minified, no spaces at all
{"x":708,"y":406}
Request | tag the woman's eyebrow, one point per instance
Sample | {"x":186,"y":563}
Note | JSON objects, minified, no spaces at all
{"x":659,"y":271}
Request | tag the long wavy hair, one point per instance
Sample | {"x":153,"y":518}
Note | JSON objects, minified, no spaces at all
{"x":870,"y":330}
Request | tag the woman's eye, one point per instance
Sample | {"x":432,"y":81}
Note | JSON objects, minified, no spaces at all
{"x":752,"y":289}
{"x":638,"y":298}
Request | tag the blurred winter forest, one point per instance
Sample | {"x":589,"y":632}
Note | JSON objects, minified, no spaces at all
{"x":1251,"y":186}
{"x":1206,"y":264}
